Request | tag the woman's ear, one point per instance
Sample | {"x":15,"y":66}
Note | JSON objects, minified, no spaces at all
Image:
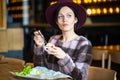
{"x":76,"y":20}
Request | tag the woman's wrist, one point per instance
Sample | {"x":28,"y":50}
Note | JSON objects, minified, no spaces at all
{"x":63,"y":56}
{"x":39,"y":46}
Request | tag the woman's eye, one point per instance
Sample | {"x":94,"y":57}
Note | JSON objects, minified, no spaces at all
{"x":69,"y":15}
{"x":59,"y":17}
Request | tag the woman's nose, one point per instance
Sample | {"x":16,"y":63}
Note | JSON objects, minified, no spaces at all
{"x":64,"y":18}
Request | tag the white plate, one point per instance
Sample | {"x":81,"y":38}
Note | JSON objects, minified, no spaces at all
{"x":47,"y":75}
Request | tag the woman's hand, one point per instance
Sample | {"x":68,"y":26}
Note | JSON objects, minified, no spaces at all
{"x":56,"y":51}
{"x":38,"y":39}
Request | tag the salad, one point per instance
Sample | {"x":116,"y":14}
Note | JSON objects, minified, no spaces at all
{"x":39,"y":72}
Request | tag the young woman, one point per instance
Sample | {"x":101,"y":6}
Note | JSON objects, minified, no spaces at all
{"x":68,"y":53}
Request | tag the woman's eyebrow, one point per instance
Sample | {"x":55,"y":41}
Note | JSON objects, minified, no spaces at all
{"x":67,"y":13}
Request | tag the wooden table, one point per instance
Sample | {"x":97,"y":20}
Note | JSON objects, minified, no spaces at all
{"x":5,"y":69}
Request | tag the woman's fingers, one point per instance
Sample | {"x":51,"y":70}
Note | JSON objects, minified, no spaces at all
{"x":38,"y":39}
{"x":37,"y":32}
{"x":51,"y":50}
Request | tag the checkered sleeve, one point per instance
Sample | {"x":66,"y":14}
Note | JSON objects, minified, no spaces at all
{"x":78,"y":69}
{"x":38,"y":57}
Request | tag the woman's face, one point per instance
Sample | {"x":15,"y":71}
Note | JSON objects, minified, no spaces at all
{"x":66,"y":19}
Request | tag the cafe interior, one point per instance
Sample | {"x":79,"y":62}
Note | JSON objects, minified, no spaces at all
{"x":20,"y":18}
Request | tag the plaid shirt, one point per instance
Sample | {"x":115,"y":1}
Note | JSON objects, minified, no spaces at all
{"x":76,"y":63}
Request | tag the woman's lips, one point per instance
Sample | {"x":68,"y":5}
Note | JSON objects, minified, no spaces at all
{"x":65,"y":24}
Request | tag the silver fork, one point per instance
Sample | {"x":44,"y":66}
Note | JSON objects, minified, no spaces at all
{"x":45,"y":42}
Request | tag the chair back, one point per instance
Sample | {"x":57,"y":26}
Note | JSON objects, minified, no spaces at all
{"x":16,"y":61}
{"x":97,"y":73}
{"x":1,"y":57}
{"x":114,"y":56}
{"x":100,"y":55}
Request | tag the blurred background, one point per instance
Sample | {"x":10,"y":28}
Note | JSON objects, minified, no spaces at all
{"x":20,"y":18}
